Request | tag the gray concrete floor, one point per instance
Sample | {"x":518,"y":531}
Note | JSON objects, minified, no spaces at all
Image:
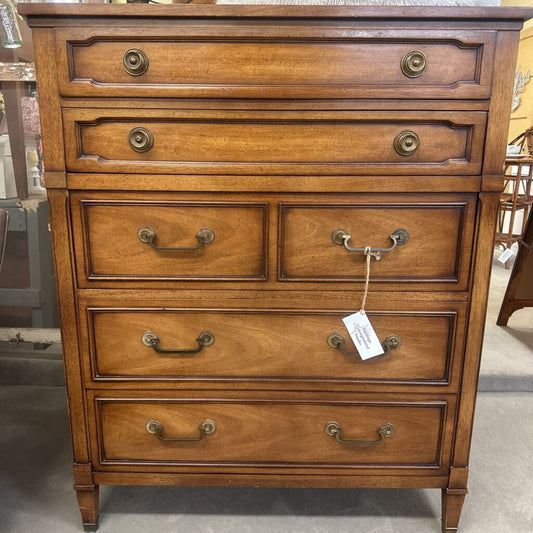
{"x":507,"y":362}
{"x":36,"y":484}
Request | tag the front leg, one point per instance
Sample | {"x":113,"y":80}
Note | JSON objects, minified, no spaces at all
{"x":453,"y":498}
{"x":88,"y":501}
{"x":452,"y":505}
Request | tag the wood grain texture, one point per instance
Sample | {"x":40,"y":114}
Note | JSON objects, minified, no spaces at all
{"x":55,"y":180}
{"x":208,"y":61}
{"x":109,"y":236}
{"x":221,"y":142}
{"x":282,"y":133}
{"x":289,"y":433}
{"x":300,"y":250}
{"x":49,"y":100}
{"x":435,"y":231}
{"x":269,"y":344}
{"x":61,"y":12}
{"x":59,"y":221}
{"x":484,"y":247}
{"x":498,"y":125}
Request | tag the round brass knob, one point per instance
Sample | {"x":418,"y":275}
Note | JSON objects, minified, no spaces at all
{"x":413,"y":63}
{"x":135,"y":62}
{"x":141,"y":139}
{"x":406,"y":143}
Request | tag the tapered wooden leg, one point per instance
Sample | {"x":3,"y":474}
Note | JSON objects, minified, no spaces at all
{"x":88,"y":501}
{"x":452,"y":505}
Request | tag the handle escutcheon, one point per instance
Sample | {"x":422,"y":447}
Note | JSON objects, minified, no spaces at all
{"x":406,"y":143}
{"x":398,"y":238}
{"x":141,"y":140}
{"x":135,"y":62}
{"x":337,"y":341}
{"x":333,"y":429}
{"x":207,"y":427}
{"x":205,"y":339}
{"x":413,"y":64}
{"x":148,"y":236}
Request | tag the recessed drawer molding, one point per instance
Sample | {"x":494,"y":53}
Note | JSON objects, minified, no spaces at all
{"x":294,"y":433}
{"x":218,"y":177}
{"x":344,"y":63}
{"x":420,"y":345}
{"x":433,"y":246}
{"x":275,"y":142}
{"x":155,"y":240}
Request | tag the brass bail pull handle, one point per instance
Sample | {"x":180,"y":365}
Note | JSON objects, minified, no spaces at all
{"x":205,"y":428}
{"x":333,"y":429}
{"x":206,"y":338}
{"x":398,"y":238}
{"x":392,"y":342}
{"x":148,"y":236}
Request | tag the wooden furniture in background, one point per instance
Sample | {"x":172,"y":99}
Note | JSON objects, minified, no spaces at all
{"x":519,"y":293}
{"x":203,"y":164}
{"x":516,"y":199}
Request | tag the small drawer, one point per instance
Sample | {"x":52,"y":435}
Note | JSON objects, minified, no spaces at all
{"x":288,"y":143}
{"x":118,"y":240}
{"x":422,"y":346}
{"x":270,"y":433}
{"x":279,"y":61}
{"x":425,"y":241}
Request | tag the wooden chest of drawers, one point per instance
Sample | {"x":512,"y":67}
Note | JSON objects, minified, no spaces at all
{"x":210,"y":171}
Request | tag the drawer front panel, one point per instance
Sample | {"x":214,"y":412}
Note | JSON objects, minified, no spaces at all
{"x":110,"y":245}
{"x":276,"y":345}
{"x":237,"y":142}
{"x":438,"y":248}
{"x":270,"y":433}
{"x":348,"y":64}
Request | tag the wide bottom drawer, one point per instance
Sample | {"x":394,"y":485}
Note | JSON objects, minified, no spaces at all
{"x":271,"y":433}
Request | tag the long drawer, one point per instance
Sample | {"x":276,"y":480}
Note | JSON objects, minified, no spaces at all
{"x":124,"y":238}
{"x":151,"y":345}
{"x":230,"y":61}
{"x":270,"y":434}
{"x":274,"y":142}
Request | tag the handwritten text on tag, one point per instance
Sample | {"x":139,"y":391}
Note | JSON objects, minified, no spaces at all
{"x":363,"y":335}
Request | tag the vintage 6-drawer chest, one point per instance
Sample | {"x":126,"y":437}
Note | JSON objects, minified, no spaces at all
{"x":215,"y":174}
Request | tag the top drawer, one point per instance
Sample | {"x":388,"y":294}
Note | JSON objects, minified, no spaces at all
{"x":236,"y":61}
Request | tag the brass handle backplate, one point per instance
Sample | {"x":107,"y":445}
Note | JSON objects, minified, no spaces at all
{"x":392,"y":342}
{"x":135,"y":62}
{"x":141,"y":140}
{"x":413,"y":63}
{"x":205,"y":428}
{"x":341,"y":236}
{"x":406,"y":143}
{"x":333,"y":429}
{"x":148,"y":235}
{"x":206,"y":338}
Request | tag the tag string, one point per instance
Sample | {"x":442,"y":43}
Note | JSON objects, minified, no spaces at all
{"x":369,"y":254}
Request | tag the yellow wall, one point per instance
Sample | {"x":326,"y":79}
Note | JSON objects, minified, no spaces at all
{"x":522,"y":118}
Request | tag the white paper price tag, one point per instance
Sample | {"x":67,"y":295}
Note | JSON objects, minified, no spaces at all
{"x":363,"y":335}
{"x":505,"y":256}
